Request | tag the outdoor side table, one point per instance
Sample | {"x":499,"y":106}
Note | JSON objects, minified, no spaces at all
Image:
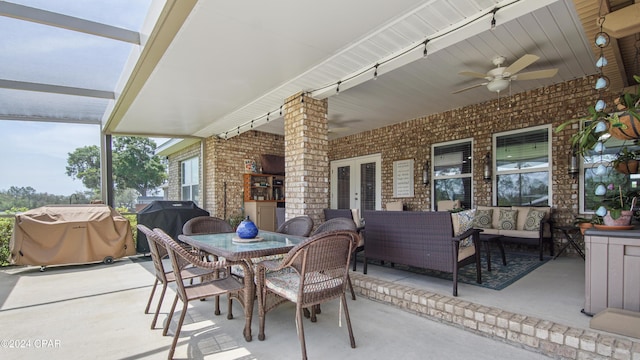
{"x":573,"y":236}
{"x":486,"y":240}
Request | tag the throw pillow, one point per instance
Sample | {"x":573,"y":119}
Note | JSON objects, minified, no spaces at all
{"x":508,"y":219}
{"x":482,"y":218}
{"x":464,"y":220}
{"x":533,"y":219}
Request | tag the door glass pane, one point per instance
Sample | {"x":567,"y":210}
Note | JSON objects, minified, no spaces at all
{"x":368,"y":186}
{"x":344,"y":187}
{"x":523,"y":189}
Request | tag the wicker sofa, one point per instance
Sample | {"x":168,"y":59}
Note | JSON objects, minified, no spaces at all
{"x":420,"y":239}
{"x":527,"y":229}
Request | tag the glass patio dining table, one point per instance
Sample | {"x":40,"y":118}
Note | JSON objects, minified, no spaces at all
{"x":242,"y":252}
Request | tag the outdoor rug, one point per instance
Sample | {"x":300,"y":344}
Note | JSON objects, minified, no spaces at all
{"x":519,"y":264}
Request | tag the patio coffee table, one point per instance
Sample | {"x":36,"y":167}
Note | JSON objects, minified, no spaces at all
{"x":242,"y":253}
{"x":486,"y":240}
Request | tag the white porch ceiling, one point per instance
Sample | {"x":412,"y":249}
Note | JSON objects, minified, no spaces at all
{"x":209,"y":66}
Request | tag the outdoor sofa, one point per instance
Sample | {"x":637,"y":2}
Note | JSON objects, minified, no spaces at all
{"x":423,"y":239}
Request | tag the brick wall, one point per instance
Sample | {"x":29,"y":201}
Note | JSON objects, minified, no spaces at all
{"x":225,"y":164}
{"x":413,"y":139}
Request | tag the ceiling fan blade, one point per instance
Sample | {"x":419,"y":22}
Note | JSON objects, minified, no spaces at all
{"x":339,"y":129}
{"x":469,"y":88}
{"x":532,"y":75}
{"x":520,"y":64}
{"x":473,"y":74}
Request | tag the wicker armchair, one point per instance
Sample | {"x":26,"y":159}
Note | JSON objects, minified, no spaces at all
{"x":299,"y":225}
{"x":317,"y":272}
{"x":349,"y":214}
{"x":209,"y":287}
{"x":164,"y":276}
{"x":206,"y":225}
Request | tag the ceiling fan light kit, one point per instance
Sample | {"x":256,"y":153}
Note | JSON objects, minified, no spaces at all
{"x":500,"y":77}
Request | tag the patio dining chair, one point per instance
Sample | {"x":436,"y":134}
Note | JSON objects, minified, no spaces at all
{"x":318,"y":273}
{"x":206,"y":225}
{"x":211,"y":286}
{"x":163,"y":276}
{"x":299,"y":226}
{"x":339,"y":223}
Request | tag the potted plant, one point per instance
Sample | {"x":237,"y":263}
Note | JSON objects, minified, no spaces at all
{"x":583,"y":223}
{"x":619,"y":208}
{"x":624,"y":124}
{"x":627,"y":161}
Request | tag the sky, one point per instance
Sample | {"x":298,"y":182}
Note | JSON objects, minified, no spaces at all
{"x":35,"y":154}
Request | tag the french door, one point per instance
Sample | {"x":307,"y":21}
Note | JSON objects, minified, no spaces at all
{"x":356,"y":183}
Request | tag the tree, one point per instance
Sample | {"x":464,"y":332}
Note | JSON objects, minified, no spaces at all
{"x":135,"y":166}
{"x":84,"y":164}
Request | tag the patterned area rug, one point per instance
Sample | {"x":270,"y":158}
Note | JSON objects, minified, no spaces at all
{"x":519,"y":264}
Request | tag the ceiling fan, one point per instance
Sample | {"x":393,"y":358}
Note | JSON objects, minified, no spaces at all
{"x":500,"y":77}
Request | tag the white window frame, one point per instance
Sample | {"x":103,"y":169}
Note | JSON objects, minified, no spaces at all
{"x":433,"y":177}
{"x":191,"y":180}
{"x":549,"y":169}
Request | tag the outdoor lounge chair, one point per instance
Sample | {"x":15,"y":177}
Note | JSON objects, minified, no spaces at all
{"x":318,"y":270}
{"x":210,"y":286}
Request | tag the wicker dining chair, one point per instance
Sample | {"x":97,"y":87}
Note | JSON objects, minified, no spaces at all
{"x":211,"y":286}
{"x":163,"y":276}
{"x":299,"y":225}
{"x":318,"y":270}
{"x":206,"y":225}
{"x":339,"y":223}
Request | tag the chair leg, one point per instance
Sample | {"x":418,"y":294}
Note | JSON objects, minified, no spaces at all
{"x":173,"y":308}
{"x":300,"y":329}
{"x":177,"y":335}
{"x":155,"y":317}
{"x":153,"y":290}
{"x":229,"y":307}
{"x":353,"y":293}
{"x":346,"y":314}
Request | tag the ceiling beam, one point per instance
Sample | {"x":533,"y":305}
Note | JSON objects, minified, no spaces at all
{"x":56,"y":89}
{"x":50,"y":18}
{"x":49,"y":119}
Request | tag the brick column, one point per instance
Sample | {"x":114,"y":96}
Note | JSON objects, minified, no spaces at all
{"x":306,"y":147}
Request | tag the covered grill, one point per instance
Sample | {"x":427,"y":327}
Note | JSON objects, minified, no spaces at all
{"x":70,"y":234}
{"x":169,"y":216}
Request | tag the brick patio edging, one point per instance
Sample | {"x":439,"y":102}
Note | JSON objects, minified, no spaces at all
{"x":542,"y":336}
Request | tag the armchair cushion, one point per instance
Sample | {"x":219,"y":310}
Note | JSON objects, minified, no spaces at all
{"x":482,"y":218}
{"x":533,"y":219}
{"x":463,"y":221}
{"x":508,"y":219}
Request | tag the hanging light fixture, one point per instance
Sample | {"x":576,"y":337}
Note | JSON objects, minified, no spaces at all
{"x":573,"y":163}
{"x":425,"y":173}
{"x":486,"y":173}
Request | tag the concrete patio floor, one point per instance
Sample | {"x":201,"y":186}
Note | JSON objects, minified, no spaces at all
{"x":96,"y":311}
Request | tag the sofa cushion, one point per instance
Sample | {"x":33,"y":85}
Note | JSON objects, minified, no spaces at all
{"x":463,"y":221}
{"x":520,"y":234}
{"x":508,"y":219}
{"x":532,"y":222}
{"x":495,"y":217}
{"x":483,"y":218}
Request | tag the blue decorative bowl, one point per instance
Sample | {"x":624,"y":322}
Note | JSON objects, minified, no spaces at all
{"x":247,"y":229}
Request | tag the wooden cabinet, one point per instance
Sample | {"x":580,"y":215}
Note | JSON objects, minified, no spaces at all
{"x":262,"y":213}
{"x":611,"y":270}
{"x":263,"y":187}
{"x":263,"y":193}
